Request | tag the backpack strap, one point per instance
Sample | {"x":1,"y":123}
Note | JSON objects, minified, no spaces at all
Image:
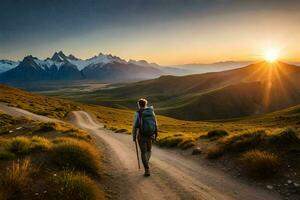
{"x":140,"y":112}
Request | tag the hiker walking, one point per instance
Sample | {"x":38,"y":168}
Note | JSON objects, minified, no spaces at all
{"x":145,"y":123}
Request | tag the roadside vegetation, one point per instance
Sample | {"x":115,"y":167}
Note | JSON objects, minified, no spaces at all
{"x":47,"y":106}
{"x":47,"y":161}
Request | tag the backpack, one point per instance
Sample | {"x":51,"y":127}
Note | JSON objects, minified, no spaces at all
{"x":147,"y":122}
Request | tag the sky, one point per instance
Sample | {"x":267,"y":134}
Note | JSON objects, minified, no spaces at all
{"x":162,"y":31}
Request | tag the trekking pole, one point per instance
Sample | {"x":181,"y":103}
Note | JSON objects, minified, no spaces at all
{"x":137,"y":154}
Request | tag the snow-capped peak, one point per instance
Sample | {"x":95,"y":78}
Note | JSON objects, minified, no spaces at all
{"x":100,"y":59}
{"x":6,"y":65}
{"x":59,"y":57}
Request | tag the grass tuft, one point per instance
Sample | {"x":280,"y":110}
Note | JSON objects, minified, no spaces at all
{"x":243,"y":141}
{"x":260,"y":163}
{"x":75,"y":154}
{"x":215,"y":134}
{"x":15,"y":179}
{"x":285,"y":136}
{"x":18,"y":145}
{"x":74,"y":186}
{"x":49,"y":126}
{"x":40,"y":143}
{"x":6,"y":155}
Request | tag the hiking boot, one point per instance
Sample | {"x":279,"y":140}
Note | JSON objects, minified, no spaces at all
{"x":147,"y":172}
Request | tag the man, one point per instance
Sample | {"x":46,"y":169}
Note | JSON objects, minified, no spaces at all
{"x":145,"y":123}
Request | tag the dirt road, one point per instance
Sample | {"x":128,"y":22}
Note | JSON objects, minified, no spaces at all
{"x":173,"y":176}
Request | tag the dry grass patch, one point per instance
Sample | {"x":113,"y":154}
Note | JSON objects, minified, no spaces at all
{"x":215,"y":134}
{"x":15,"y":179}
{"x":177,"y":140}
{"x":69,"y":185}
{"x":18,"y":145}
{"x":40,"y":143}
{"x":75,"y":154}
{"x":285,"y":136}
{"x":6,"y":155}
{"x":260,"y":163}
{"x":243,"y":141}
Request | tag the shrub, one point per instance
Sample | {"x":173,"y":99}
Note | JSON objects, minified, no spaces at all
{"x":79,"y":134}
{"x":215,"y":134}
{"x":49,"y":126}
{"x":74,"y":186}
{"x":259,"y":163}
{"x":40,"y":143}
{"x":6,"y":155}
{"x":75,"y":154}
{"x":18,"y":145}
{"x":243,"y":141}
{"x":15,"y":179}
{"x":284,"y":136}
{"x":170,"y":141}
{"x":187,"y":143}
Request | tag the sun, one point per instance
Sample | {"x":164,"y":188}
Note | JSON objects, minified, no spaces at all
{"x":271,"y":55}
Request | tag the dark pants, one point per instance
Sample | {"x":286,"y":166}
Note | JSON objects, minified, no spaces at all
{"x":145,"y":144}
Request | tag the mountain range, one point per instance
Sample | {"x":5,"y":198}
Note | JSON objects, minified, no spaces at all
{"x":6,"y":65}
{"x":62,"y":67}
{"x":257,"y":88}
{"x":103,"y":67}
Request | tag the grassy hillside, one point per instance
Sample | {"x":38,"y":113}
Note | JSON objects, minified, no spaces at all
{"x":47,"y":161}
{"x":255,"y":89}
{"x":269,"y":142}
{"x":50,"y":107}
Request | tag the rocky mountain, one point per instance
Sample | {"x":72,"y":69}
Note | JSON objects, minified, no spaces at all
{"x":34,"y":69}
{"x":61,"y":67}
{"x":6,"y":65}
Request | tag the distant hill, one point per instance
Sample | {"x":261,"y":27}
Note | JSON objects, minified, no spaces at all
{"x":254,"y":89}
{"x":200,"y":68}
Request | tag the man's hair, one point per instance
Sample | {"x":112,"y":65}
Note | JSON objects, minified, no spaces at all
{"x":142,"y":103}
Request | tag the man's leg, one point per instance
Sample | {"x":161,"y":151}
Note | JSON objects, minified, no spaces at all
{"x":143,"y":148}
{"x":149,"y":147}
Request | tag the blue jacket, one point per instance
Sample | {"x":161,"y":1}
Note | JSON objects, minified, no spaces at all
{"x":136,"y":122}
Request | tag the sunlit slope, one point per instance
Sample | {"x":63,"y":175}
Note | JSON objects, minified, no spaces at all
{"x":121,"y":119}
{"x":255,"y":89}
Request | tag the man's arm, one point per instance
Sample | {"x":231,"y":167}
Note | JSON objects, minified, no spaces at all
{"x":135,"y":126}
{"x":156,"y":128}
